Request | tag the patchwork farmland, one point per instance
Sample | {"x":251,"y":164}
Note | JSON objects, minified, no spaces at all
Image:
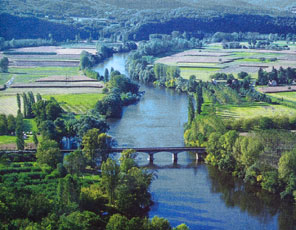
{"x":213,"y":59}
{"x":49,"y":70}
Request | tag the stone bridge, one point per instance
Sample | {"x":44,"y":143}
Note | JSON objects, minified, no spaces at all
{"x":150,"y":151}
{"x":173,"y":150}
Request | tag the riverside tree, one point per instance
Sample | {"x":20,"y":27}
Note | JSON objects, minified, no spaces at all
{"x":190,"y":109}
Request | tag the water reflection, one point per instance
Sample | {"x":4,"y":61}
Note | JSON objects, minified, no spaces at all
{"x":257,"y":202}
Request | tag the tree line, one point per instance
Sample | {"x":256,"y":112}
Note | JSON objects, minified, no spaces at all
{"x":281,"y":76}
{"x":264,"y":156}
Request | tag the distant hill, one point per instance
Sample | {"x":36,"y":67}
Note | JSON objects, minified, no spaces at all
{"x":142,"y":4}
{"x":137,"y":19}
{"x":244,"y":4}
{"x":91,"y":8}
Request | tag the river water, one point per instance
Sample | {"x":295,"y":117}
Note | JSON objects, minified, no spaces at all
{"x":190,"y":192}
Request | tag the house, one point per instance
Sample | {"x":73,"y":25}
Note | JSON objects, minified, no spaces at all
{"x":272,"y":83}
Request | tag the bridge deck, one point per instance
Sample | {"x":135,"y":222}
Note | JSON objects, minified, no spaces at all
{"x":162,"y":149}
{"x":116,"y":150}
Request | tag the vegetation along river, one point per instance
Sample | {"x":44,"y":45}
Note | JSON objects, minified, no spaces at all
{"x":196,"y":194}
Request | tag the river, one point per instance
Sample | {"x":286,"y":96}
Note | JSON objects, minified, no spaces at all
{"x":189,"y":192}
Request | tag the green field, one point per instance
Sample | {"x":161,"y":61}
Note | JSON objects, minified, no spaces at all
{"x":256,"y":60}
{"x":200,"y":73}
{"x":248,"y":110}
{"x":77,"y":103}
{"x":8,"y":105}
{"x":4,"y":77}
{"x":12,"y":139}
{"x":24,"y":75}
{"x":246,"y":53}
{"x":285,"y":96}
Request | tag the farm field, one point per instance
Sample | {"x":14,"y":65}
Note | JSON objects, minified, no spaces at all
{"x":46,"y":70}
{"x":214,"y":59}
{"x":12,"y":139}
{"x":77,"y":103}
{"x":248,"y":110}
{"x":285,"y":96}
{"x":30,"y":74}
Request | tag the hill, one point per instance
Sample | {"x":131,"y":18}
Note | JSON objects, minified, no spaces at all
{"x":244,"y":4}
{"x":101,"y":8}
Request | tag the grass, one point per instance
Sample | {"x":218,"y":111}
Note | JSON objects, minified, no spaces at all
{"x":24,"y":75}
{"x":201,"y":75}
{"x":248,"y":110}
{"x":77,"y":103}
{"x":8,"y":105}
{"x":253,"y":60}
{"x":30,"y":125}
{"x":197,"y":65}
{"x":259,"y":54}
{"x":289,"y":96}
{"x":4,"y":77}
{"x":12,"y":139}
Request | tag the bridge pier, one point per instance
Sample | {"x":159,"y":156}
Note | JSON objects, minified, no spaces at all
{"x":151,"y":158}
{"x":175,"y":158}
{"x":196,"y":157}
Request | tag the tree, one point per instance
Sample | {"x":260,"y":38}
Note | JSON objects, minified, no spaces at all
{"x":158,"y":223}
{"x":242,"y":75}
{"x":48,"y":130}
{"x":110,"y":106}
{"x":190,"y":110}
{"x":123,"y":83}
{"x":92,"y":198}
{"x":48,"y":152}
{"x":81,"y":221}
{"x":4,"y":62}
{"x":251,"y":148}
{"x":19,"y":130}
{"x":127,"y":160}
{"x":199,"y":100}
{"x":84,"y":60}
{"x":287,"y":165}
{"x":46,"y":110}
{"x":35,"y":139}
{"x":3,"y":124}
{"x":53,"y":110}
{"x":110,"y":178}
{"x":68,"y":192}
{"x":104,"y":146}
{"x":106,"y":75}
{"x":90,"y":145}
{"x":18,"y":100}
{"x":117,"y":222}
{"x":61,"y":130}
{"x":132,"y":193}
{"x":182,"y":227}
{"x":88,"y":122}
{"x":75,"y":162}
{"x":11,"y":124}
{"x":25,"y":104}
{"x":38,"y":97}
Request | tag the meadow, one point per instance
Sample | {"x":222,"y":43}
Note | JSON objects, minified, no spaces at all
{"x":77,"y":103}
{"x":248,"y":110}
